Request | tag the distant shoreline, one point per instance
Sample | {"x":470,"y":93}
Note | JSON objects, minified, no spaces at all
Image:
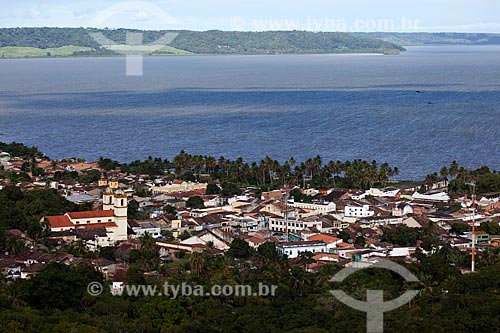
{"x":361,"y":52}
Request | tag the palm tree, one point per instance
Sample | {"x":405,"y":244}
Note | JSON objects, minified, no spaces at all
{"x":147,"y":242}
{"x":197,"y":263}
{"x":298,"y":280}
{"x":150,"y":257}
{"x":78,"y":248}
{"x":444,"y":172}
{"x":453,"y":169}
{"x":14,"y":246}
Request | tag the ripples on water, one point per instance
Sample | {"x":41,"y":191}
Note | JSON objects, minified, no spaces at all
{"x":338,"y":106}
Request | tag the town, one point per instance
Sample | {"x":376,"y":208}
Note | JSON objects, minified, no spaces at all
{"x":184,"y":211}
{"x":199,"y":222}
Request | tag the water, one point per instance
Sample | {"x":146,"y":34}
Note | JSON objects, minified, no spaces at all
{"x":341,"y":107}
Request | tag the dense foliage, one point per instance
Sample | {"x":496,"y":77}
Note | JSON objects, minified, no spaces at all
{"x":436,"y":38}
{"x":206,"y":42}
{"x":56,"y":300}
{"x":464,"y":180}
{"x":20,"y":150}
{"x":23,"y":209}
{"x":266,"y":174}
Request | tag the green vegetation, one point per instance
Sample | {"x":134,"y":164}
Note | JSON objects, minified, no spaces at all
{"x":20,"y":150}
{"x":195,"y":202}
{"x":406,"y":236}
{"x":277,"y":42}
{"x":23,"y":209}
{"x":148,"y":49}
{"x":33,"y":52}
{"x":134,"y":213}
{"x":267,"y":174}
{"x":44,"y":42}
{"x":438,"y":38}
{"x":57,"y":301}
{"x":462,"y":179}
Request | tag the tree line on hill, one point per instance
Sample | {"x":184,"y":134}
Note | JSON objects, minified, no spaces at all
{"x":268,"y":173}
{"x":434,"y":38}
{"x":265,"y":174}
{"x":198,"y":42}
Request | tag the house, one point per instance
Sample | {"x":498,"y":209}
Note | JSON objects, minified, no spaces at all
{"x":278,"y":208}
{"x":481,"y":236}
{"x":326,"y":257}
{"x":355,"y":210}
{"x":178,"y":186}
{"x":330,"y":241}
{"x":390,"y":193}
{"x":316,"y":208}
{"x":416,"y":221}
{"x":113,"y":218}
{"x":246,"y":223}
{"x":140,"y":228}
{"x":4,"y":157}
{"x":207,"y":239}
{"x":440,"y":197}
{"x":31,"y":270}
{"x":272,"y":195}
{"x":292,"y":225}
{"x":402,"y":209}
{"x":294,"y":249}
{"x":255,"y":241}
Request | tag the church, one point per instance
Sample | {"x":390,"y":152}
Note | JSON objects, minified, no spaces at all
{"x":106,"y":226}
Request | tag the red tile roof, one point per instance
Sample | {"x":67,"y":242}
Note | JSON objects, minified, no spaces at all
{"x":301,"y":243}
{"x":91,"y":214}
{"x":325,"y":238}
{"x":59,"y":221}
{"x":256,"y":240}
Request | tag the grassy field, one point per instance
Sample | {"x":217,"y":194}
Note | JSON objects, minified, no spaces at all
{"x":33,"y":52}
{"x":10,"y":52}
{"x":148,"y":49}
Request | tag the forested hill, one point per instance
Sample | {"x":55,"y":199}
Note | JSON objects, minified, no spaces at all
{"x":441,"y":38}
{"x":206,"y":42}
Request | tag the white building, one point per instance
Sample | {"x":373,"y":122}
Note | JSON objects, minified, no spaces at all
{"x":113,"y":218}
{"x":294,"y":249}
{"x":280,"y":225}
{"x":315,"y":207}
{"x":177,"y":186}
{"x":375,"y":192}
{"x":442,"y":196}
{"x":358,"y":211}
{"x":143,"y":228}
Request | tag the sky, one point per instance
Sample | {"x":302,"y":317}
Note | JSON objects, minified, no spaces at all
{"x":258,"y":15}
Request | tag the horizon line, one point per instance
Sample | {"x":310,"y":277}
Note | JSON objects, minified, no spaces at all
{"x":295,"y":30}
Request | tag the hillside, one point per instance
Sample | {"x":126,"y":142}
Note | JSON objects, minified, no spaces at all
{"x":425,"y":38}
{"x":189,"y":42}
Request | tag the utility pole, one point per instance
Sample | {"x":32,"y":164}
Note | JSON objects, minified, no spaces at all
{"x":473,"y":227}
{"x":286,"y":213}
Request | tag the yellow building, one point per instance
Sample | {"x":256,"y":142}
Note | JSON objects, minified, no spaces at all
{"x":178,"y":186}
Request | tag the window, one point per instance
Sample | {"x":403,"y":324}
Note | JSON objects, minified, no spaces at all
{"x":98,"y":221}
